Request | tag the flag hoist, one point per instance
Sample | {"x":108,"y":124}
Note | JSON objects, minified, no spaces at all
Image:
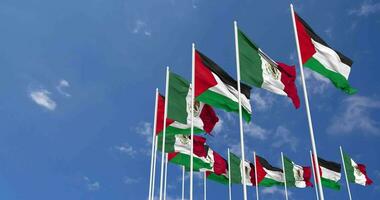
{"x":310,"y":123}
{"x":240,"y":108}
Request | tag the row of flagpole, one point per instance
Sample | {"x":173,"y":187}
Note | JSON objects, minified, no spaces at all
{"x":163,"y":176}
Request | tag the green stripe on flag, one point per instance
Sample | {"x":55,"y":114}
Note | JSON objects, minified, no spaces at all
{"x":267,"y":182}
{"x":184,"y":160}
{"x":235,"y":166}
{"x":250,"y":61}
{"x":289,"y":173}
{"x":177,"y":105}
{"x":349,"y":168}
{"x":337,"y":79}
{"x":218,"y":178}
{"x":222,"y":102}
{"x":330,"y":184}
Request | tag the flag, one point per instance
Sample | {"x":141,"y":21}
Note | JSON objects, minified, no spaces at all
{"x":356,"y":173}
{"x":296,"y":176}
{"x":330,"y":173}
{"x":236,"y":166}
{"x":179,"y":100}
{"x":178,"y":148}
{"x":267,"y":175}
{"x":320,"y":57}
{"x":217,"y":88}
{"x":219,"y":172}
{"x":257,"y":69}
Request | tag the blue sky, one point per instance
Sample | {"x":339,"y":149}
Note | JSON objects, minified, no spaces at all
{"x":77,"y":88}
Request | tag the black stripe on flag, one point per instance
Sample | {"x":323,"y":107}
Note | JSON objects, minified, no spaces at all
{"x":315,"y":37}
{"x":329,"y":165}
{"x":266,"y":164}
{"x":224,"y":76}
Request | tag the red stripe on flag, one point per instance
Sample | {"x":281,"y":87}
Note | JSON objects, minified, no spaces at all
{"x":203,"y":76}
{"x":172,"y":155}
{"x":363,"y":170}
{"x":220,"y":164}
{"x":288,"y":78}
{"x":209,"y":118}
{"x":307,"y":176}
{"x":199,"y":147}
{"x":306,"y":46}
{"x":261,"y":173}
{"x":160,"y":115}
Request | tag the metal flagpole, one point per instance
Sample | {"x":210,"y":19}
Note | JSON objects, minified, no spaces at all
{"x":240,"y":111}
{"x":154,"y":166}
{"x":229,"y":175}
{"x":164,"y":133}
{"x":183,"y":182}
{"x":345,"y":173}
{"x":256,"y":181}
{"x":192,"y":118}
{"x":283,"y":169}
{"x":166,"y":175}
{"x":315,"y":180}
{"x":314,"y":148}
{"x":204,"y":186}
{"x":153,"y":147}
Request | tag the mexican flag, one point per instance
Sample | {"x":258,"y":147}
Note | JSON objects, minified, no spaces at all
{"x":296,"y":175}
{"x":178,"y":148}
{"x":356,"y":173}
{"x":320,"y":57}
{"x":219,"y":172}
{"x":217,"y":88}
{"x":236,"y":165}
{"x":257,"y":69}
{"x":179,"y":110}
{"x":330,"y":173}
{"x":267,"y":175}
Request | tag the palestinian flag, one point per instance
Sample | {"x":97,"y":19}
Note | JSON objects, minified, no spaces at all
{"x":219,"y":172}
{"x":356,"y":173}
{"x":179,"y":101}
{"x":296,"y":176}
{"x":236,"y":165}
{"x":257,"y":69}
{"x":178,"y":148}
{"x":267,"y":175}
{"x":330,"y":173}
{"x":217,"y":88}
{"x":320,"y":57}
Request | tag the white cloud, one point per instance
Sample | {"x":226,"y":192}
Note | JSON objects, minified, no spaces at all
{"x":283,"y":137}
{"x":255,"y":131}
{"x":365,"y":9}
{"x":91,"y":185}
{"x":60,"y":87}
{"x":41,"y":97}
{"x":126,"y":149}
{"x":130,"y":180}
{"x":262,"y":100}
{"x":141,"y":27}
{"x":274,"y":190}
{"x":328,"y":32}
{"x":219,"y":126}
{"x":356,"y":115}
{"x":316,"y":83}
{"x":145,"y":129}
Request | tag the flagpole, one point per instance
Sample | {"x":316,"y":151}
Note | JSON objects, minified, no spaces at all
{"x":314,"y":148}
{"x":204,"y":186}
{"x":154,"y":165}
{"x":240,"y":110}
{"x":345,"y":173}
{"x":315,"y":180}
{"x":183,"y":182}
{"x":164,"y":133}
{"x":166,"y":175}
{"x":283,"y":168}
{"x":192,"y":118}
{"x":153,"y":147}
{"x":229,"y":175}
{"x":257,"y":184}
